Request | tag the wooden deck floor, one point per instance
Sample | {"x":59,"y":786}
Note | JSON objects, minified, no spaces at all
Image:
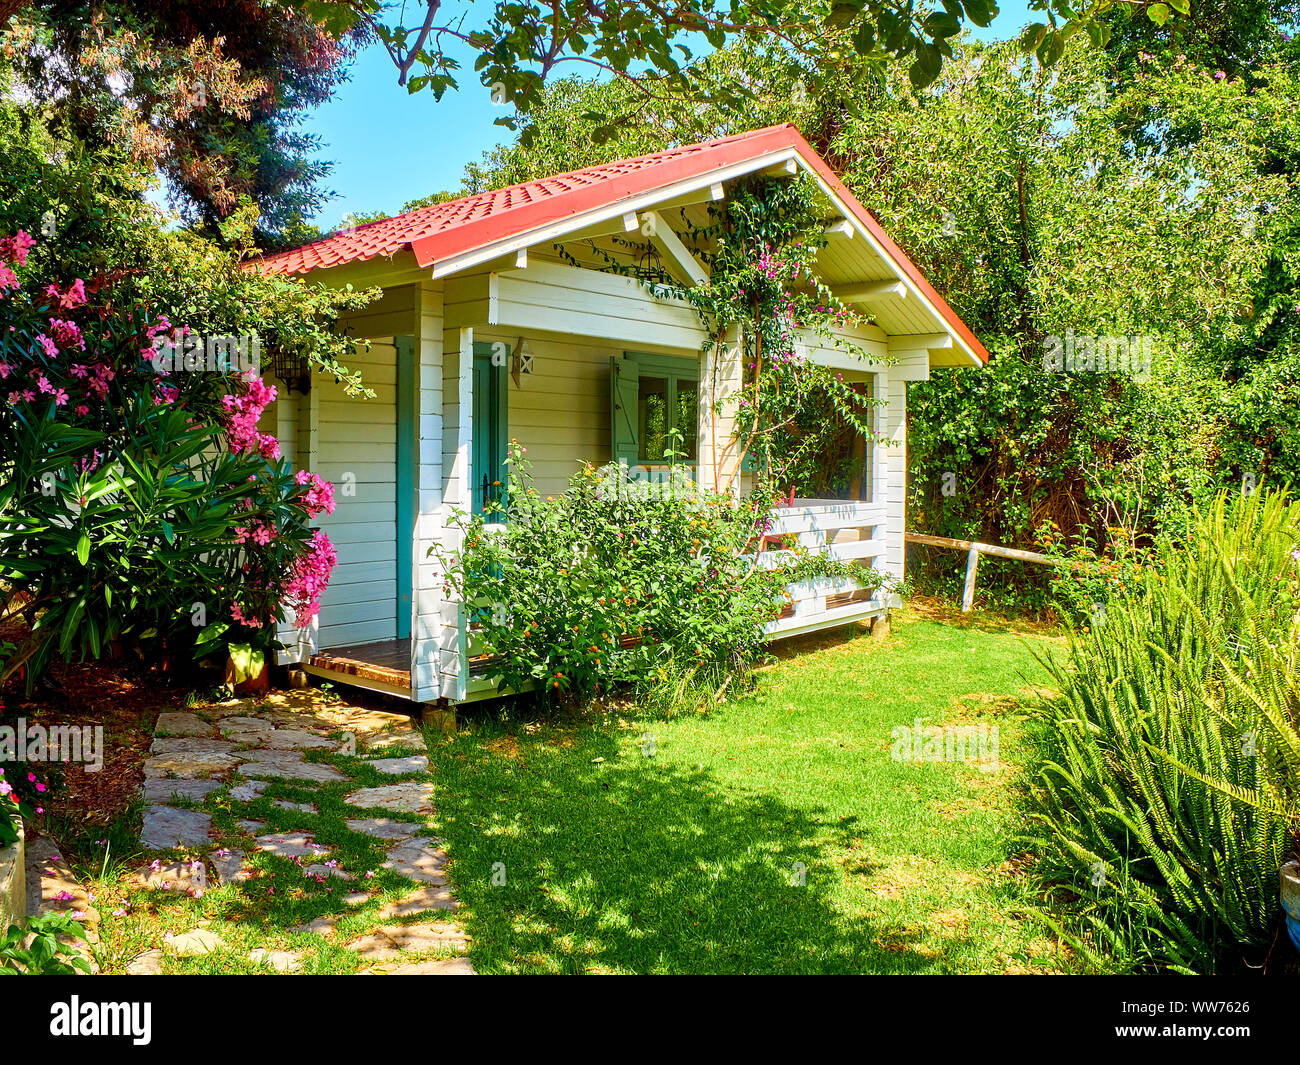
{"x":388,"y":661}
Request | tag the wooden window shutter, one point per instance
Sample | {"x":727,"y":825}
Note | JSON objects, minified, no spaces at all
{"x":624,"y":386}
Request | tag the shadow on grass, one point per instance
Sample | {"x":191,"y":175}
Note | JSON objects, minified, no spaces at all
{"x":571,"y":864}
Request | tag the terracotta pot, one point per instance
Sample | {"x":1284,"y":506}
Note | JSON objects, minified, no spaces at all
{"x":253,"y":685}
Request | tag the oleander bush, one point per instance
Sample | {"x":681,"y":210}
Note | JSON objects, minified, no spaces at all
{"x":138,"y":506}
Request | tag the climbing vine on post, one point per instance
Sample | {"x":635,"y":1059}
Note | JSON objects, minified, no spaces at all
{"x":762,"y":304}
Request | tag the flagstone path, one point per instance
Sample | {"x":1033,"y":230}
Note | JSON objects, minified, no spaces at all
{"x":242,"y":746}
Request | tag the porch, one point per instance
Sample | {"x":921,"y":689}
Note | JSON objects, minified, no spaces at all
{"x":847,"y":530}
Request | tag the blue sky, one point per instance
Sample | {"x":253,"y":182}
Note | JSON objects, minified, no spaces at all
{"x":389,"y":147}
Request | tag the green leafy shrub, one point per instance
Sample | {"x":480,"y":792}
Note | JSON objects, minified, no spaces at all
{"x":618,"y":583}
{"x":47,"y":954}
{"x":1168,"y":800}
{"x":1083,"y":581}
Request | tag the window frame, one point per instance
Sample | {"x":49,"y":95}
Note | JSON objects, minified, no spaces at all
{"x":671,"y":368}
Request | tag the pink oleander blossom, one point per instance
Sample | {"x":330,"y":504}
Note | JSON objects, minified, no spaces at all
{"x":243,"y":410}
{"x":90,"y":462}
{"x":14,"y":249}
{"x":311,"y":575}
{"x":66,"y":301}
{"x":319,"y":497}
{"x":237,"y":613}
{"x":66,"y":334}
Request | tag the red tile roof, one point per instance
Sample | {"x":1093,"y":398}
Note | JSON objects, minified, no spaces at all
{"x":444,"y":230}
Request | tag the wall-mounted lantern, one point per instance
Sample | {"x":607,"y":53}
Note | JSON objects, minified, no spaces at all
{"x":521,"y":362}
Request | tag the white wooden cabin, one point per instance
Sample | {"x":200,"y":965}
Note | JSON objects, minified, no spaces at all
{"x":492,"y":273}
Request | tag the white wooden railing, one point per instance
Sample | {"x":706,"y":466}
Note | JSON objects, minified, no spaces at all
{"x":846,"y":530}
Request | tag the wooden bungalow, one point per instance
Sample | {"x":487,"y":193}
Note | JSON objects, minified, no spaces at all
{"x":488,"y":331}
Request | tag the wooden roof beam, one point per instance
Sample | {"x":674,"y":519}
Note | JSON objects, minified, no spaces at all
{"x":871,"y":292}
{"x":670,"y":246}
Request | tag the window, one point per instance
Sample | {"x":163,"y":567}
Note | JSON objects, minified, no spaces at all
{"x":655,"y":410}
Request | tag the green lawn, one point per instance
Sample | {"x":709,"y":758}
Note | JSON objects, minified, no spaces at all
{"x":688,"y":859}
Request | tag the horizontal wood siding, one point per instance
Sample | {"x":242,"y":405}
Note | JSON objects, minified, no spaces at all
{"x":356,"y":450}
{"x":560,"y":411}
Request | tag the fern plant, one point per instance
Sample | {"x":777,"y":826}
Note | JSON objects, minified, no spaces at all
{"x":1168,"y":800}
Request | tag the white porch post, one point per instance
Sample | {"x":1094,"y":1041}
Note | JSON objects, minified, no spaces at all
{"x":891,"y":478}
{"x":721,"y":379}
{"x":427,"y":577}
{"x":452,"y":637}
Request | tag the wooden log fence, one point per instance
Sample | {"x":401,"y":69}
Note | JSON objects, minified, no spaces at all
{"x":974,"y":549}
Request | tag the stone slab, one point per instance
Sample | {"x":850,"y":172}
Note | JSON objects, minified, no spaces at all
{"x":166,"y":827}
{"x":229,"y":866}
{"x":288,"y":765}
{"x":426,"y":897}
{"x":411,"y":763}
{"x":410,"y":797}
{"x":163,"y":789}
{"x":177,"y":723}
{"x":189,"y":944}
{"x":292,"y":739}
{"x":189,"y":877}
{"x":383,"y":827}
{"x":418,"y":861}
{"x":282,"y":961}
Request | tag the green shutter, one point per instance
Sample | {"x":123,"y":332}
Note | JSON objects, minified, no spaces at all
{"x":488,"y":437}
{"x":623,"y":391}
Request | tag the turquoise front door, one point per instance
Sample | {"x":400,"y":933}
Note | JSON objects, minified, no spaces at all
{"x":489,"y":429}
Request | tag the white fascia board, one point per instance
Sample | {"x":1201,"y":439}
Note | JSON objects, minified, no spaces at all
{"x":554,"y":231}
{"x":867,"y":235}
